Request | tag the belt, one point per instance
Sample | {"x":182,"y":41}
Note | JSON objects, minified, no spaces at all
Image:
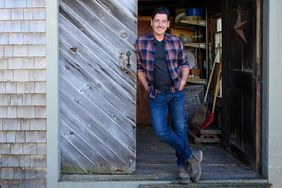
{"x":172,"y":89}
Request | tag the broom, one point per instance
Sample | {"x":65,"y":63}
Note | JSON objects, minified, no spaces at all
{"x":210,"y":117}
{"x":200,"y":115}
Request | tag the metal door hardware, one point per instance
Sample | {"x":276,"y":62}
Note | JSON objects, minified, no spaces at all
{"x":128,"y":54}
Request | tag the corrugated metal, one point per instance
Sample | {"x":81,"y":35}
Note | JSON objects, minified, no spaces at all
{"x":97,"y":97}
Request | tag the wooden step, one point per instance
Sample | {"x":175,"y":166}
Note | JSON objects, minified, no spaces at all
{"x":211,"y":185}
{"x":209,"y":135}
{"x":204,"y":138}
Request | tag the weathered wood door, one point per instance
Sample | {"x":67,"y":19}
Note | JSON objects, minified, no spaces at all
{"x":241,"y":51}
{"x":97,"y":86}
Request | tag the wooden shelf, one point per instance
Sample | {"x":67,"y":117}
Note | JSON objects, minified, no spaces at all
{"x":197,"y":81}
{"x":144,"y":18}
{"x":194,"y":22}
{"x":201,"y":45}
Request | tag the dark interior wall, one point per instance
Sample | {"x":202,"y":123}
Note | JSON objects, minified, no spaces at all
{"x":143,"y":115}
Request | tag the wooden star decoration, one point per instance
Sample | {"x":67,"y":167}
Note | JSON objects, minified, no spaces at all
{"x":239,"y":27}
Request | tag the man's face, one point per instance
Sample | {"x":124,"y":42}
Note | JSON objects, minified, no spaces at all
{"x":159,"y":24}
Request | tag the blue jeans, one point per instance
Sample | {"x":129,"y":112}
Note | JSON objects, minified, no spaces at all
{"x":172,"y":103}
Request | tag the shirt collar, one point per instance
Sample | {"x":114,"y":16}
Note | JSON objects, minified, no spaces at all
{"x":151,"y":36}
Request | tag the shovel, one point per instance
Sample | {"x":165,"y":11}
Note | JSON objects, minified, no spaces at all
{"x":210,"y":117}
{"x":200,"y":115}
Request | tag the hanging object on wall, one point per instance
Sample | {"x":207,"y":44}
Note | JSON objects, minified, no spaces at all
{"x":239,"y":26}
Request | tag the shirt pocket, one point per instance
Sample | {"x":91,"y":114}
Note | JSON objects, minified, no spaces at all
{"x":172,"y":55}
{"x":147,"y":55}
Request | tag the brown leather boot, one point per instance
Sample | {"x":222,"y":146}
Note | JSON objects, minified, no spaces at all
{"x":182,"y":175}
{"x":194,"y":165}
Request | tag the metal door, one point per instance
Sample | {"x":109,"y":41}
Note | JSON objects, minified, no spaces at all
{"x":241,"y":51}
{"x":97,"y":86}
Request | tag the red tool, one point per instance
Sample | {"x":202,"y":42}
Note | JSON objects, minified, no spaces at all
{"x":210,"y":117}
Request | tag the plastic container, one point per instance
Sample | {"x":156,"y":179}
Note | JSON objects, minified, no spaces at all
{"x":194,"y":12}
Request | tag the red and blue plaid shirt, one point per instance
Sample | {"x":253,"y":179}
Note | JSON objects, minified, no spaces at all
{"x":175,"y":58}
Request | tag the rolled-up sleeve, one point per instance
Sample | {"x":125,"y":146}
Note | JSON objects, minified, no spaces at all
{"x":182,"y":57}
{"x":138,"y":58}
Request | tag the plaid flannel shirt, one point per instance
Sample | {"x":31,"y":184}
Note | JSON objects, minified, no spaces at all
{"x":175,"y":58}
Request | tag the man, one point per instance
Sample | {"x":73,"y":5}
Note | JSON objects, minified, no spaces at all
{"x":163,"y":69}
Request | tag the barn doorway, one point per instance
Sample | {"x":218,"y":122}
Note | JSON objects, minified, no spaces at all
{"x":238,"y":103}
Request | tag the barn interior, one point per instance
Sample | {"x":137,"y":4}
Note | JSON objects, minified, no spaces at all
{"x":201,"y":27}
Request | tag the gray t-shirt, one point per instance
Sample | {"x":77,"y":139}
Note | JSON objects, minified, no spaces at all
{"x":162,"y":79}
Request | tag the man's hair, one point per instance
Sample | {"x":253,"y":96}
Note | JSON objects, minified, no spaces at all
{"x":161,"y":10}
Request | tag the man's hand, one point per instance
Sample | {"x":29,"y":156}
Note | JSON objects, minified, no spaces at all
{"x":182,"y":85}
{"x":143,"y":80}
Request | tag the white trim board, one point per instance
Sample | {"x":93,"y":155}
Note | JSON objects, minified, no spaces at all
{"x":53,"y":170}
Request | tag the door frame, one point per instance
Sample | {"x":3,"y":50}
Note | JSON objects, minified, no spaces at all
{"x":53,"y":162}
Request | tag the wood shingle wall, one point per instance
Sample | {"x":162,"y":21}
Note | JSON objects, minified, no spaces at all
{"x":22,"y":93}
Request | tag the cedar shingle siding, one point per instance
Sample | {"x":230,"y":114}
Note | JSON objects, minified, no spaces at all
{"x":23,"y":93}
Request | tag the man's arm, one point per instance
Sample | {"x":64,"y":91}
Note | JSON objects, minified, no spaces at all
{"x":184,"y":67}
{"x":185,"y":73}
{"x":140,"y":70}
{"x":142,"y":79}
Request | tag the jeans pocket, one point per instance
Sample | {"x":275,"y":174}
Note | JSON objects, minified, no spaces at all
{"x":180,"y":91}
